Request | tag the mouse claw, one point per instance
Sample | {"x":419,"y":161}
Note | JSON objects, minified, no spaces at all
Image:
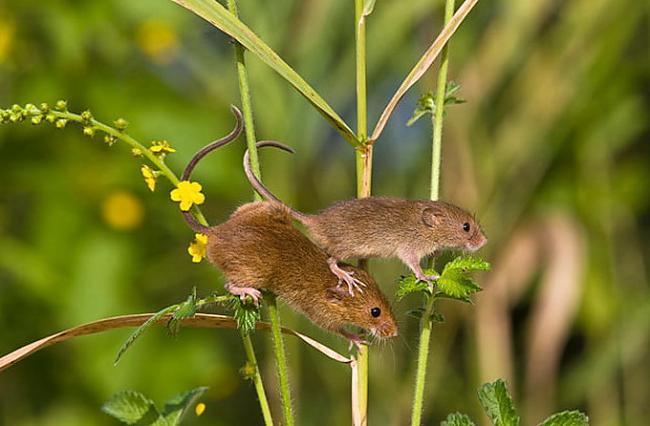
{"x":244,"y":292}
{"x":345,"y":277}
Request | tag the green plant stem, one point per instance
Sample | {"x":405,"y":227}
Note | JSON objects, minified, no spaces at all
{"x":281,"y":358}
{"x":436,"y":159}
{"x":278,"y":340}
{"x":245,"y":95}
{"x":439,"y":113}
{"x":364,"y":175}
{"x":117,"y":134}
{"x":257,"y":380}
{"x":423,"y":356}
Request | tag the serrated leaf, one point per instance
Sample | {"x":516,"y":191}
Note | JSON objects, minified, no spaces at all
{"x":138,"y":331}
{"x":467,"y":263}
{"x":567,"y":418}
{"x":455,"y":284}
{"x":186,"y":309}
{"x":220,"y":17}
{"x":246,"y":315}
{"x":497,"y":404}
{"x":409,"y":284}
{"x":129,"y":407}
{"x":176,"y":407}
{"x":457,"y":419}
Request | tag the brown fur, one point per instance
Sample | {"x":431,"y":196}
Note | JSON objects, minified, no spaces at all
{"x":393,"y":227}
{"x":382,"y":226}
{"x":258,"y":247}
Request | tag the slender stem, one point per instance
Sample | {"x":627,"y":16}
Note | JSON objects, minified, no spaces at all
{"x":423,"y":356}
{"x":257,"y":380}
{"x":425,"y":321}
{"x":438,"y":115}
{"x":364,"y":176}
{"x":245,"y":94}
{"x":278,"y":340}
{"x":281,"y":358}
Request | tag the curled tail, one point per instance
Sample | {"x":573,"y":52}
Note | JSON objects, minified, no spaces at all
{"x":189,"y":217}
{"x":259,"y":186}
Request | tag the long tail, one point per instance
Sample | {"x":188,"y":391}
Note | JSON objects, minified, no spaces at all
{"x":189,"y":217}
{"x":259,"y":186}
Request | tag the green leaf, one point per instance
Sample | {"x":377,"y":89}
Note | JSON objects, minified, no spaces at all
{"x":409,"y":284}
{"x":567,"y":418}
{"x":217,"y":15}
{"x":176,"y":407}
{"x":246,"y":315}
{"x":455,"y":284}
{"x":186,"y":309}
{"x":138,"y":331}
{"x":467,"y":263}
{"x":129,"y":407}
{"x":426,"y":104}
{"x":454,"y":280}
{"x":497,"y":404}
{"x":457,"y":419}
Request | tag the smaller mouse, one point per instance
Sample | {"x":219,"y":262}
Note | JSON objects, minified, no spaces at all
{"x":382,"y":227}
{"x":259,"y":248}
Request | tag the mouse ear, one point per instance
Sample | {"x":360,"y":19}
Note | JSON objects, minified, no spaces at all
{"x":431,"y":216}
{"x":336,"y":294}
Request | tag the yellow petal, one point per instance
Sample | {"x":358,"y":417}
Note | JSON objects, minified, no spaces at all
{"x":199,"y":409}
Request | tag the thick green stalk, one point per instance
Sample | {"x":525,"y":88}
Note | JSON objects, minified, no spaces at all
{"x":278,"y":341}
{"x":281,"y":358}
{"x":364,"y":175}
{"x":425,"y":321}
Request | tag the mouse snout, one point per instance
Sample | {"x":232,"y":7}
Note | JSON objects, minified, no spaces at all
{"x":386,"y":329}
{"x":476,"y":242}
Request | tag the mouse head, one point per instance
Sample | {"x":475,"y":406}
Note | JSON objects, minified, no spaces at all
{"x":452,"y":227}
{"x":368,"y":309}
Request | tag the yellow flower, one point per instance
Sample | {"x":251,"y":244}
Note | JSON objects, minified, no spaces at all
{"x":150,"y":176}
{"x":197,"y":247}
{"x":161,"y":147}
{"x":188,"y":193}
{"x":199,"y":409}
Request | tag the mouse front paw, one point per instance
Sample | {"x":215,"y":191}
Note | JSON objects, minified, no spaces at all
{"x":244,"y":292}
{"x":428,"y":278}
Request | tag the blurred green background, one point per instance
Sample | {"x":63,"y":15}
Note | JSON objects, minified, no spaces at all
{"x":551,"y":151}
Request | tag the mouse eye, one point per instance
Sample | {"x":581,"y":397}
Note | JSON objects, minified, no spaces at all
{"x":466,"y":227}
{"x":375,"y":312}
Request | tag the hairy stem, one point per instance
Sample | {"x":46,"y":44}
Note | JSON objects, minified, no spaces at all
{"x":257,"y":380}
{"x":281,"y":358}
{"x":364,"y":176}
{"x":425,"y":321}
{"x":278,"y":340}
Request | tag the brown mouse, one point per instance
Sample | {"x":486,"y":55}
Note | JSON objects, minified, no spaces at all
{"x":259,"y":248}
{"x":382,"y":227}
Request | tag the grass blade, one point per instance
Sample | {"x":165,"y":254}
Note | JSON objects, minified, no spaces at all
{"x":219,"y":16}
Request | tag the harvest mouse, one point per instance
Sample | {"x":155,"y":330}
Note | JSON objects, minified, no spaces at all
{"x":259,"y":248}
{"x":382,"y":227}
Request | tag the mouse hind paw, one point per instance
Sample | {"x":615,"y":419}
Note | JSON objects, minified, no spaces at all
{"x":244,"y":292}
